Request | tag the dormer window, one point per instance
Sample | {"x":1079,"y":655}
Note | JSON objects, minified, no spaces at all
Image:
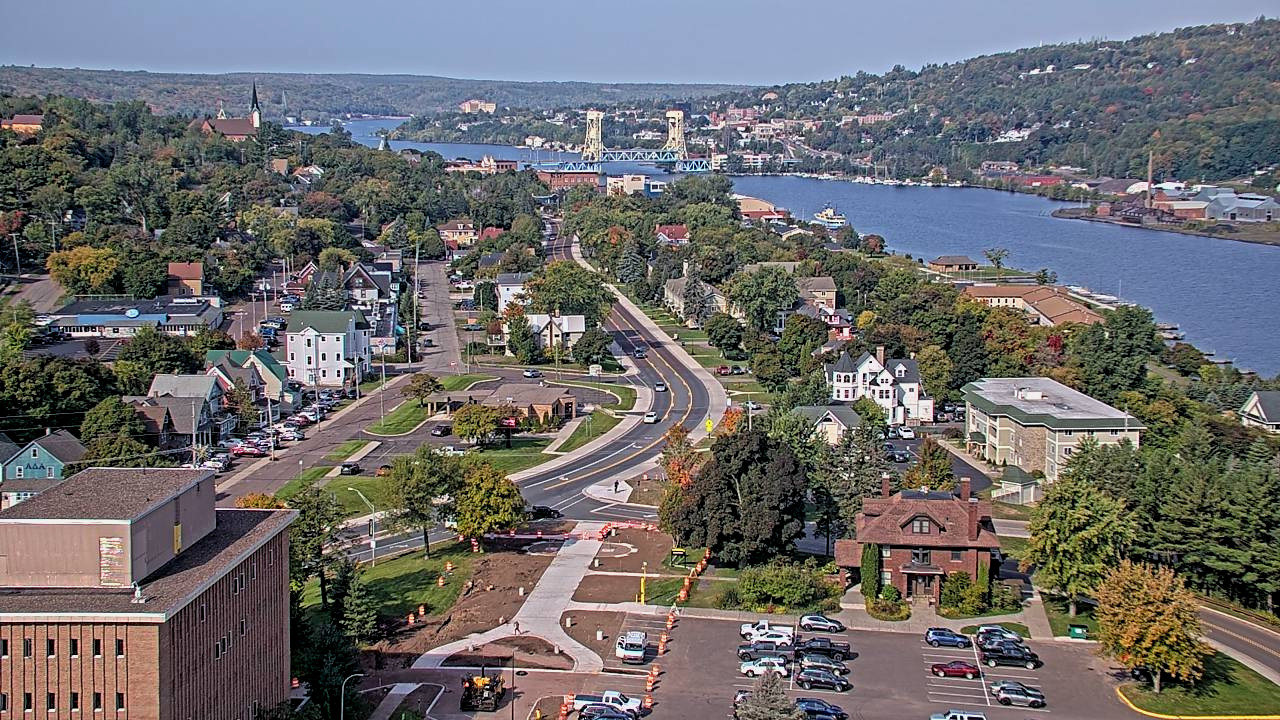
{"x":900,"y":371}
{"x":920,"y":526}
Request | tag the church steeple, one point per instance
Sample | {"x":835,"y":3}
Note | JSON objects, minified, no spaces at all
{"x":255,"y":112}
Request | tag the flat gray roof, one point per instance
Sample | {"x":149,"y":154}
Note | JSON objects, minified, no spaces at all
{"x":106,"y":494}
{"x":1040,"y":400}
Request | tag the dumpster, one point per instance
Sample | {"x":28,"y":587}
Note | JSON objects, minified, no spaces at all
{"x":1078,"y":632}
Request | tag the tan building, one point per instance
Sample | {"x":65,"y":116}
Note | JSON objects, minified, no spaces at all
{"x":185,"y":278}
{"x":124,"y":593}
{"x":458,"y":233}
{"x":830,"y":422}
{"x":820,"y":292}
{"x":477,"y":106}
{"x":1048,"y":305}
{"x":952,"y":263}
{"x":1036,"y":423}
{"x":23,"y":124}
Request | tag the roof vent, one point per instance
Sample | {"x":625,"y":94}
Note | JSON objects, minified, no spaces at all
{"x":138,"y":599}
{"x":1029,"y":394}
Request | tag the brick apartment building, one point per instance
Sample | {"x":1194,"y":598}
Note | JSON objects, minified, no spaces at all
{"x":125,"y":594}
{"x":923,"y":536}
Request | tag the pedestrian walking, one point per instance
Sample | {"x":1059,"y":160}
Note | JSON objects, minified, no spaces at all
{"x":615,"y":487}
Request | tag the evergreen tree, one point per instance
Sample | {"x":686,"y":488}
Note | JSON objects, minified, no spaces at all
{"x":934,"y":470}
{"x":324,"y":660}
{"x":699,"y":305}
{"x":520,"y":338}
{"x":860,"y":462}
{"x":324,"y":293}
{"x":769,"y":701}
{"x":360,"y":613}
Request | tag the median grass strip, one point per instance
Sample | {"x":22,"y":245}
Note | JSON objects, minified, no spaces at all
{"x":626,"y":394}
{"x":454,"y":383}
{"x":591,"y":428}
{"x":523,"y":454}
{"x":345,"y":450}
{"x":401,"y":584}
{"x":305,"y":478}
{"x":1227,"y":688}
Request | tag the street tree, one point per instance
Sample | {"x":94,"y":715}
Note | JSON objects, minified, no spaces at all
{"x":488,"y":502}
{"x":871,"y":414}
{"x":592,"y":346}
{"x":1078,"y":534}
{"x":477,"y":422}
{"x":934,"y":469}
{"x":564,"y":287}
{"x":679,"y":459}
{"x":319,"y":521}
{"x":935,"y":371}
{"x":250,"y":340}
{"x":858,"y":460}
{"x":770,"y":368}
{"x":158,"y":353}
{"x":699,"y":303}
{"x":520,"y":338}
{"x":724,"y":332}
{"x":801,"y":335}
{"x":422,"y":489}
{"x":326,"y":657}
{"x":240,"y":401}
{"x":761,"y":295}
{"x":1148,"y":619}
{"x":421,"y":386}
{"x":769,"y":701}
{"x":110,"y":418}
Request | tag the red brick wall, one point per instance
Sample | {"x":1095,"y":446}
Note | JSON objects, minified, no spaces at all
{"x":900,"y":556}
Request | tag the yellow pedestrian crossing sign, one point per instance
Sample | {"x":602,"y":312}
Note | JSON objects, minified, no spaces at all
{"x":710,"y":425}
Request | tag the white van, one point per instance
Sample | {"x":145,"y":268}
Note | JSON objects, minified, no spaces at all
{"x":630,"y":647}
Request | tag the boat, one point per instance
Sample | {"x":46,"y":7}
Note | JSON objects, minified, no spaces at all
{"x":829,"y":218}
{"x":1171,"y":335}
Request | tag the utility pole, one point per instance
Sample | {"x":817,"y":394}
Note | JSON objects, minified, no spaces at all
{"x":16,"y":260}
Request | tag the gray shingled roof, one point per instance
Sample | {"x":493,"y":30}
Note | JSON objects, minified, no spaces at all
{"x":183,"y":386}
{"x":62,"y":445}
{"x":1269,"y":404}
{"x":107,"y":494}
{"x":322,"y":321}
{"x":8,"y":448}
{"x":843,"y":364}
{"x":844,"y":413}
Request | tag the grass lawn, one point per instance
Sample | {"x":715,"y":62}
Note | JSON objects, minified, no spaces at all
{"x":401,"y":584}
{"x":1057,"y":609}
{"x":625,"y":393}
{"x":1013,"y":546}
{"x":524,"y":453}
{"x":369,"y":386}
{"x":1227,"y":688}
{"x":374,"y":488}
{"x":345,"y":450}
{"x":462,"y":382}
{"x":305,"y":478}
{"x":599,"y":424}
{"x":1016,"y":627}
{"x":407,"y":416}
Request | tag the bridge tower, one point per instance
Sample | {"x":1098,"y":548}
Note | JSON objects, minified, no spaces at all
{"x":675,"y":134}
{"x":593,"y":149}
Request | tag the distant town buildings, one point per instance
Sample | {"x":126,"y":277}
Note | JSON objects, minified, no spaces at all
{"x":457,"y":233}
{"x":477,"y":106}
{"x":233,"y":129}
{"x":1049,"y":305}
{"x":120,"y":319}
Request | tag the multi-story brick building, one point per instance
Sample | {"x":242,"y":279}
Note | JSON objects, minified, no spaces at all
{"x":142,"y":603}
{"x":922,"y":536}
{"x":1036,"y":423}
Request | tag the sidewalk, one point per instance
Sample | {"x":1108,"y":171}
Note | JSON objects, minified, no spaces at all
{"x":398,"y":693}
{"x":540,"y":614}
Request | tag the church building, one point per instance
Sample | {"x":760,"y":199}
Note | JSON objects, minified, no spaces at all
{"x":233,"y":129}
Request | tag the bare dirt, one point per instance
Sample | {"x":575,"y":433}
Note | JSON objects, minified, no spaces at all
{"x":585,"y":625}
{"x":607,"y":589}
{"x":491,"y":599}
{"x":528,"y":652}
{"x":628,"y":549}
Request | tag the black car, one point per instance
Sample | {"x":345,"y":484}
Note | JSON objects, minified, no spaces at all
{"x":442,"y":431}
{"x":756,"y":650}
{"x":1010,"y":655}
{"x":822,"y":662}
{"x":900,"y":456}
{"x":816,"y":707}
{"x":812,"y":677}
{"x":824,"y":646}
{"x":350,"y":468}
{"x":543,"y":512}
{"x":601,"y":711}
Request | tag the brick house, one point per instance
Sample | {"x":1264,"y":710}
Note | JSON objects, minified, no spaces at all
{"x":922,"y":537}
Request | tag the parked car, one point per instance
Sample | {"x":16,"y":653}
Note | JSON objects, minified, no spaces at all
{"x":747,"y":630}
{"x":544,"y":512}
{"x":650,"y":417}
{"x":532,"y":373}
{"x":906,"y":433}
{"x":292,"y":435}
{"x":996,"y":642}
{"x":723,"y":370}
{"x":821,"y":623}
{"x":659,"y":387}
{"x":824,"y":646}
{"x":631,"y":647}
{"x":998,"y":631}
{"x":752,"y":405}
{"x":755,"y":650}
{"x":760,"y":666}
{"x":816,"y":707}
{"x":452,"y":451}
{"x":248,"y":451}
{"x":944,"y":636}
{"x":774,"y":636}
{"x":442,"y":431}
{"x":958,"y":715}
{"x":350,"y":468}
{"x":956,"y":668}
{"x":736,"y":370}
{"x":822,"y":662}
{"x":892,"y":433}
{"x":810,"y":678}
{"x":287,"y":307}
{"x":900,"y":456}
{"x":600,"y":711}
{"x":1017,"y":693}
{"x":1012,"y":655}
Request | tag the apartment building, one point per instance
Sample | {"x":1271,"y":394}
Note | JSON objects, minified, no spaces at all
{"x":143,"y":603}
{"x":328,"y":347}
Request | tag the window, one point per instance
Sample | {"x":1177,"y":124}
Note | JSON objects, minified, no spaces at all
{"x":920,"y":556}
{"x":1115,"y":432}
{"x":48,"y":472}
{"x":1068,"y":433}
{"x":1067,"y":450}
{"x":253,"y":570}
{"x":75,"y":701}
{"x":97,"y":647}
{"x":920,"y":526}
{"x":97,"y":701}
{"x":290,"y":357}
{"x":119,"y":648}
{"x":203,"y":612}
{"x":4,"y":702}
{"x":886,"y":578}
{"x":27,"y":703}
{"x":4,"y":648}
{"x":885,"y":551}
{"x":955,"y":555}
{"x":50,"y":701}
{"x":119,"y":701}
{"x":17,"y":472}
{"x":242,"y":627}
{"x":75,"y":647}
{"x":35,"y":453}
{"x":308,"y":342}
{"x":50,"y":647}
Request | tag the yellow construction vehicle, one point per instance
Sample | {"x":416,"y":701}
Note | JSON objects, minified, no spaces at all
{"x":481,"y":692}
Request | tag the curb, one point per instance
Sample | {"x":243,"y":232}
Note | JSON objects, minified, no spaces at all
{"x":1120,"y":694}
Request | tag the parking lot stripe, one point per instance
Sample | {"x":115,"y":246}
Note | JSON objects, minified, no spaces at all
{"x":948,"y":694}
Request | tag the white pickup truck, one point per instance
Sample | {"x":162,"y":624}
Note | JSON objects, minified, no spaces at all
{"x":753,"y":631}
{"x":612,"y":698}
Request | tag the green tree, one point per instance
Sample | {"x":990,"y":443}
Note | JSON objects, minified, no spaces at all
{"x":869,"y":571}
{"x":319,"y":521}
{"x":699,"y":303}
{"x":564,"y":286}
{"x":239,"y":400}
{"x":335,"y":259}
{"x":724,"y":332}
{"x":996,"y":256}
{"x":118,"y":450}
{"x":206,"y":339}
{"x":477,"y":422}
{"x":1148,"y":619}
{"x":46,"y":390}
{"x":421,"y":386}
{"x":769,"y":367}
{"x":592,"y":346}
{"x":422,"y":489}
{"x":488,"y":502}
{"x":859,"y":459}
{"x":110,"y":418}
{"x":360,"y":613}
{"x":521,"y":341}
{"x":769,"y":701}
{"x":935,"y":370}
{"x":324,"y":659}
{"x":872,"y":414}
{"x":144,"y":277}
{"x":801,"y":335}
{"x":485,"y":295}
{"x":158,"y":353}
{"x":761,"y":295}
{"x":1078,"y":533}
{"x":1111,"y":357}
{"x":934,"y":469}
{"x":324,"y":293}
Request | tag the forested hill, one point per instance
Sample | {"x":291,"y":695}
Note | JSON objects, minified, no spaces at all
{"x":1213,"y":92}
{"x":328,"y":94}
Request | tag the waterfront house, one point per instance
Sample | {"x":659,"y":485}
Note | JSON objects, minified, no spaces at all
{"x":1036,"y":423}
{"x":1262,"y":410}
{"x":39,"y":465}
{"x":1048,"y":305}
{"x":921,"y":536}
{"x":952,"y":263}
{"x":893,"y":383}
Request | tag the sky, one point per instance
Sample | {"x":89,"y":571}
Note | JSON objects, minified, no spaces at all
{"x":749,"y":42}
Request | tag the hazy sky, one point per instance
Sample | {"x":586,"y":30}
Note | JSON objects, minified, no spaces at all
{"x":739,"y":41}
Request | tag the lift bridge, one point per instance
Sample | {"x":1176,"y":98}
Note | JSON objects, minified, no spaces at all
{"x":673,"y":152}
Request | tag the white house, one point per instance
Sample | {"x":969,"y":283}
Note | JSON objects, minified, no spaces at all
{"x":553,"y":330}
{"x":894,"y":384}
{"x":328,"y":347}
{"x":1262,"y":410}
{"x":510,"y":288}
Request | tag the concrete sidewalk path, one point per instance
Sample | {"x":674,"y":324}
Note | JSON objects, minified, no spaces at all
{"x":540,"y":614}
{"x":398,"y":693}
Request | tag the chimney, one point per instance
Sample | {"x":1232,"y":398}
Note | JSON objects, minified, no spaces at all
{"x":48,"y":430}
{"x":880,"y":355}
{"x":964,"y":489}
{"x":973,"y":518}
{"x":884,"y":485}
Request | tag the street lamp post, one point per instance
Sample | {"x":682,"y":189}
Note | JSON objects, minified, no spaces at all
{"x":373,"y":527}
{"x":342,"y":696}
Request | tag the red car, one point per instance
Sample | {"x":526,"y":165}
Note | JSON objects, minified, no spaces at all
{"x":248,"y":451}
{"x":956,"y":668}
{"x":723,"y":370}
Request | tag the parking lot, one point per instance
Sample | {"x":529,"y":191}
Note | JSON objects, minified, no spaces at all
{"x":890,"y":678}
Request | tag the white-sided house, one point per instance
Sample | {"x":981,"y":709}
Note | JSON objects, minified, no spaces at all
{"x":554,"y":330}
{"x":510,"y":288}
{"x":830,"y":421}
{"x":328,"y":347}
{"x":894,"y":384}
{"x":1262,"y":410}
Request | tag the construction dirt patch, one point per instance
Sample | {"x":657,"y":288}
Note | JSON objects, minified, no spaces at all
{"x":607,"y":589}
{"x":629,"y":549}
{"x":491,"y":598}
{"x":585,"y":625}
{"x":527,"y":652}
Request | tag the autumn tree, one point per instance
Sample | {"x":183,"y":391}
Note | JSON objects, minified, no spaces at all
{"x":84,"y":269}
{"x":421,"y":386}
{"x":250,"y":340}
{"x":1078,"y":534}
{"x":259,"y":501}
{"x":679,"y":459}
{"x":1148,"y":619}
